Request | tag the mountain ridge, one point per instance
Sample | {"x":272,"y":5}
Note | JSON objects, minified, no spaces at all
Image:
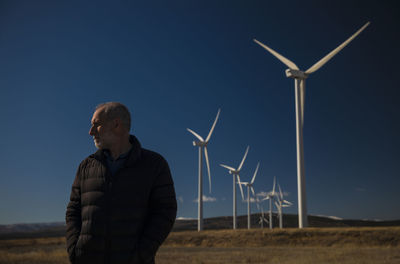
{"x":56,"y":229}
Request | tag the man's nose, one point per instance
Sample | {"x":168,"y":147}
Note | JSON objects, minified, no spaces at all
{"x":91,"y":131}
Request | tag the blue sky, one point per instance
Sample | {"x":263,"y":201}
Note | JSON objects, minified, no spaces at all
{"x":174,"y":63}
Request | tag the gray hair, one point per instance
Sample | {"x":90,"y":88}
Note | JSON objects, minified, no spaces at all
{"x":112,"y":110}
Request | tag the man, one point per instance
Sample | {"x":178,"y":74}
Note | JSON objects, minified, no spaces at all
{"x":122,"y":204}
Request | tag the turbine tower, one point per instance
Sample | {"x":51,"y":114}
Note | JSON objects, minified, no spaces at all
{"x":235,"y":174}
{"x":250,"y":187}
{"x":279,"y":203}
{"x":300,"y":77}
{"x":262,"y":218}
{"x":202,"y":144}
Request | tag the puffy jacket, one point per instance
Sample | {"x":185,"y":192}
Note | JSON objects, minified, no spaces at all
{"x":122,"y":218}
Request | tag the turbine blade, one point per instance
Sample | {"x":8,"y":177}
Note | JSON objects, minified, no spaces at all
{"x":227,"y":167}
{"x":287,"y":202}
{"x":302,"y":98}
{"x":238,"y":180}
{"x":195,"y":134}
{"x":244,"y":158}
{"x":273,"y":189}
{"x":280,"y":192}
{"x":255,"y":173}
{"x":284,"y":60}
{"x":240,"y":186}
{"x":212,"y":128}
{"x":208,"y":167}
{"x":325,"y":59}
{"x":252,"y":190}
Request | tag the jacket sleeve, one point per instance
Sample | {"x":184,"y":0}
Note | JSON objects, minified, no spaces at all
{"x":73,"y":216}
{"x":161,"y":214}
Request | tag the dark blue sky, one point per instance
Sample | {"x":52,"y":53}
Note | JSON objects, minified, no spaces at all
{"x":174,"y":63}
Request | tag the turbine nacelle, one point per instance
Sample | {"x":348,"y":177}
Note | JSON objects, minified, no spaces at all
{"x":296,"y":74}
{"x":245,"y":183}
{"x":200,"y":143}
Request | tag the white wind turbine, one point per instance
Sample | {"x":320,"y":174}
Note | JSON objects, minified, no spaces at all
{"x":202,"y":144}
{"x":300,"y":77}
{"x":270,"y":196}
{"x":250,"y":187}
{"x":262,"y":218}
{"x":279,"y":203}
{"x":235,"y":173}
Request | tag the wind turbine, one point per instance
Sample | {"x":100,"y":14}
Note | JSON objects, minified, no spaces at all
{"x":300,"y":77}
{"x":279,"y":203}
{"x":202,"y":144}
{"x":270,"y":196}
{"x":235,"y":172}
{"x":250,"y":187}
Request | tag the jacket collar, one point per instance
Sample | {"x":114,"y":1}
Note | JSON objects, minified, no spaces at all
{"x":134,"y":154}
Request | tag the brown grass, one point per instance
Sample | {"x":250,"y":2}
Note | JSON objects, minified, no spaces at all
{"x":311,"y":245}
{"x":281,"y":255}
{"x":292,"y":237}
{"x":33,"y":251}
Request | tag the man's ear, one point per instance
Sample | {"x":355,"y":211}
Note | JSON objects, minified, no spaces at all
{"x":116,"y":123}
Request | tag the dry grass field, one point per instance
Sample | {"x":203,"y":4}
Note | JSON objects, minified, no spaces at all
{"x":33,"y":251}
{"x":311,"y":245}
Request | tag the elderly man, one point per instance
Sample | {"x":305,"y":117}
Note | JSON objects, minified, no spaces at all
{"x":122,"y":204}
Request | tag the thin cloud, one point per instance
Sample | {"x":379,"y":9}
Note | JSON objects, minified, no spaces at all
{"x":265,"y":194}
{"x":252,"y":200}
{"x":185,"y":218}
{"x":180,"y":199}
{"x":361,"y":189}
{"x":206,"y":199}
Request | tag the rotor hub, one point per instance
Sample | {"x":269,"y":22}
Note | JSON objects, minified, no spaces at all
{"x":296,"y":74}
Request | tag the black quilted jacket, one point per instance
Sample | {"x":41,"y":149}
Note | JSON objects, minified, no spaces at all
{"x":122,"y":218}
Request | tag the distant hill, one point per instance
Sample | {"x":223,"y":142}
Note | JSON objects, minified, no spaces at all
{"x":4,"y":229}
{"x":289,"y":220}
{"x":57,"y":229}
{"x":54,"y":229}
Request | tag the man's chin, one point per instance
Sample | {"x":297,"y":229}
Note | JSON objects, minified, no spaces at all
{"x":98,"y":145}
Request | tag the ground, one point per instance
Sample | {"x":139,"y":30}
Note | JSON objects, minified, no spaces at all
{"x":286,"y":246}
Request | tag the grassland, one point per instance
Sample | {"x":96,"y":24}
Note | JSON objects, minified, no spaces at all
{"x":311,"y":245}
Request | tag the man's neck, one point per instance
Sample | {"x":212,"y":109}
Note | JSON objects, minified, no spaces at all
{"x":120,"y":148}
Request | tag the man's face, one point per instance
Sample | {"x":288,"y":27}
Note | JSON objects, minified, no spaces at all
{"x":101,"y":131}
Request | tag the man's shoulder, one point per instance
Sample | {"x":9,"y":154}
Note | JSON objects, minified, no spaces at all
{"x":90,"y":160}
{"x":152,"y":156}
{"x":156,"y":163}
